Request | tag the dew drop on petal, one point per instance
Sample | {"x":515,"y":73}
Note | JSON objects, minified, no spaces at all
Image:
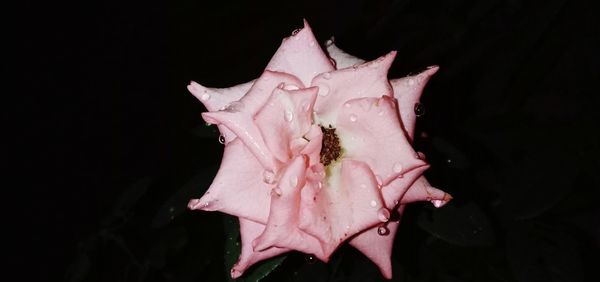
{"x":327,"y":75}
{"x":333,"y":62}
{"x":312,"y":44}
{"x":410,"y":82}
{"x":268,"y":177}
{"x":221,"y":139}
{"x":396,"y":202}
{"x":288,"y":115}
{"x":323,"y":90}
{"x":382,"y":230}
{"x":383,"y":214}
{"x":419,"y":109}
{"x":397,"y":168}
{"x":205,"y":97}
{"x":353,"y":118}
{"x":347,"y":105}
{"x":373,"y":203}
{"x":296,"y":31}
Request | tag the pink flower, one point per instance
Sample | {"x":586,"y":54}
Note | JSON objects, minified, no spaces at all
{"x":317,"y":152}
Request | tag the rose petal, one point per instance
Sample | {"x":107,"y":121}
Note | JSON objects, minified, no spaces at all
{"x":421,"y":190}
{"x":301,"y":55}
{"x":347,"y":204}
{"x":238,"y":188}
{"x":408,"y":91}
{"x":282,"y":226}
{"x":370,"y":131}
{"x":341,"y":58}
{"x":250,"y":230}
{"x":285,"y":118}
{"x":395,"y":190}
{"x":238,"y":116}
{"x":215,"y":99}
{"x":378,"y":248}
{"x":366,"y":80}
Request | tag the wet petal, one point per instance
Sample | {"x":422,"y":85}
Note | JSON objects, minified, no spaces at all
{"x":284,"y":120}
{"x":249,"y":230}
{"x":366,"y":80}
{"x":238,"y":189}
{"x":341,"y":58}
{"x":346,"y":204}
{"x":378,"y":248}
{"x":215,"y":99}
{"x":407,"y":91}
{"x":421,"y":190}
{"x":282,"y":226}
{"x":370,"y":132}
{"x":301,"y":55}
{"x":238,"y":116}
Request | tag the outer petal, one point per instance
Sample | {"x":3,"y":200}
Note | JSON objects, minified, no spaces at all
{"x":301,"y":55}
{"x":239,"y":116}
{"x":378,"y":248}
{"x":217,"y":98}
{"x":366,"y":80}
{"x":421,"y":190}
{"x":238,"y":189}
{"x":282,"y":226}
{"x":408,"y":91}
{"x":396,"y":189}
{"x":370,"y":131}
{"x":249,"y":230}
{"x":341,"y":58}
{"x":284,"y":120}
{"x":347,"y":204}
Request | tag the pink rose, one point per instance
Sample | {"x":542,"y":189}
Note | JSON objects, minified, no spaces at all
{"x":317,"y":152}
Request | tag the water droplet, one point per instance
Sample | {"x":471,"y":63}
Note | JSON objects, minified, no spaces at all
{"x":294,"y":181}
{"x":329,"y":42}
{"x":363,"y":186}
{"x":396,"y":202}
{"x":289,"y":116}
{"x":410,"y":82}
{"x":208,"y":124}
{"x":383,"y":214}
{"x":420,"y":156}
{"x":353,"y":118}
{"x":327,"y":75}
{"x":373,"y":203}
{"x":234,"y":107}
{"x":276,"y":192}
{"x":380,"y":113}
{"x":320,"y":184}
{"x":221,"y":139}
{"x":382,"y":230}
{"x":419,"y":109}
{"x":438,"y":203}
{"x":296,"y":31}
{"x":347,"y":105}
{"x":205,"y":97}
{"x":268,"y":177}
{"x":323,"y":90}
{"x":312,"y":44}
{"x":397,"y":168}
{"x":171,"y":209}
{"x":310,"y":259}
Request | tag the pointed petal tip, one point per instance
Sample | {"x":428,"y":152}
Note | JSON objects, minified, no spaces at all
{"x":236,"y":273}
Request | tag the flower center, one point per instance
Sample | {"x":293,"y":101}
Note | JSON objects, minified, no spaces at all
{"x":330,"y":146}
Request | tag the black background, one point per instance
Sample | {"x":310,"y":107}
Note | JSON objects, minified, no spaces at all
{"x":511,"y":128}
